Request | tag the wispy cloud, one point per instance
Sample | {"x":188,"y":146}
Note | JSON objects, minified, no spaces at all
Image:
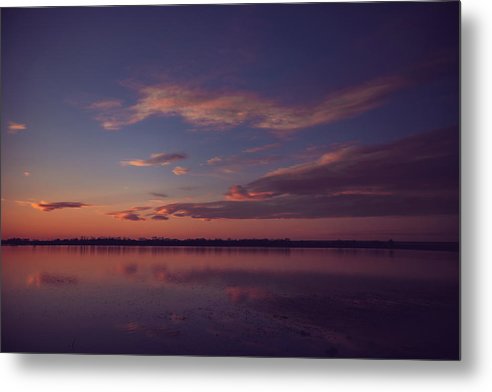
{"x":15,"y":127}
{"x":106,"y":104}
{"x":235,"y":163}
{"x":26,"y":173}
{"x":417,"y":175}
{"x":228,"y":109}
{"x":264,"y":147}
{"x":57,"y":205}
{"x":132,"y":214}
{"x":157,"y":159}
{"x":180,"y":171}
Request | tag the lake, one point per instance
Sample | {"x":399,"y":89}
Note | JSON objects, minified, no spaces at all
{"x":343,"y":303}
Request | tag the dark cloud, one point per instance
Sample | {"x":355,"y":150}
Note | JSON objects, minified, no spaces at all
{"x":417,"y":175}
{"x":57,"y":205}
{"x":160,"y":217}
{"x":160,"y":195}
{"x":317,"y":207}
{"x":423,"y":163}
{"x":131,"y":214}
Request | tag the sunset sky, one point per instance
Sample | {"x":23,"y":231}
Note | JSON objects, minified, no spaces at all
{"x":304,"y":121}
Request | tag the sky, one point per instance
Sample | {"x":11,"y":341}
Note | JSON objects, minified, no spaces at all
{"x":308,"y":121}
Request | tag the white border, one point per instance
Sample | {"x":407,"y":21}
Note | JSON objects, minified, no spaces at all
{"x":124,"y":373}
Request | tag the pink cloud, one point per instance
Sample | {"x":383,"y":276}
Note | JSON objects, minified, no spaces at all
{"x":157,"y":159}
{"x":237,"y":192}
{"x":261,"y":148}
{"x":223,"y":110}
{"x":131,"y":214}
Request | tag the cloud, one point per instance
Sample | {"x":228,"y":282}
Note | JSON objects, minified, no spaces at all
{"x":262,"y":148}
{"x":131,"y":214}
{"x":240,"y":294}
{"x":14,"y":127}
{"x":311,"y":207}
{"x":180,"y":171}
{"x":160,"y":217}
{"x":421,"y":163}
{"x":238,"y":192}
{"x":157,"y":159}
{"x":229,"y":109}
{"x":26,"y":173}
{"x":47,"y":206}
{"x":160,"y":195}
{"x":417,"y":175}
{"x":214,"y":160}
{"x":235,"y":163}
{"x":106,"y":104}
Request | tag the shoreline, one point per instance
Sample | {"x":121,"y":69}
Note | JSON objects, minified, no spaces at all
{"x":269,"y":244}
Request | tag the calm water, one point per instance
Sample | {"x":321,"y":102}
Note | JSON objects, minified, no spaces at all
{"x":230,"y":301}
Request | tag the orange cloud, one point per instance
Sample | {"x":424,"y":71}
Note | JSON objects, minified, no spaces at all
{"x":14,"y":127}
{"x":180,"y":171}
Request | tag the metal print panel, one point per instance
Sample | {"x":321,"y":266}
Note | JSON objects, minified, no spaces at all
{"x":232,"y":180}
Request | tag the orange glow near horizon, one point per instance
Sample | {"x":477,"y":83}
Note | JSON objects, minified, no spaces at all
{"x":27,"y":222}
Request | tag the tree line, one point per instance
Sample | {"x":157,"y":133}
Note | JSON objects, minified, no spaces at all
{"x":253,"y":242}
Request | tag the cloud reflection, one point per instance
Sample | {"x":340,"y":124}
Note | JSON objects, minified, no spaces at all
{"x":49,"y":279}
{"x":240,"y":294}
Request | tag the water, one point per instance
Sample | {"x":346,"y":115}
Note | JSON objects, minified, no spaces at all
{"x":231,"y":301}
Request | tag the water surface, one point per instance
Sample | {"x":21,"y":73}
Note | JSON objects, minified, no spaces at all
{"x":230,"y":301}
